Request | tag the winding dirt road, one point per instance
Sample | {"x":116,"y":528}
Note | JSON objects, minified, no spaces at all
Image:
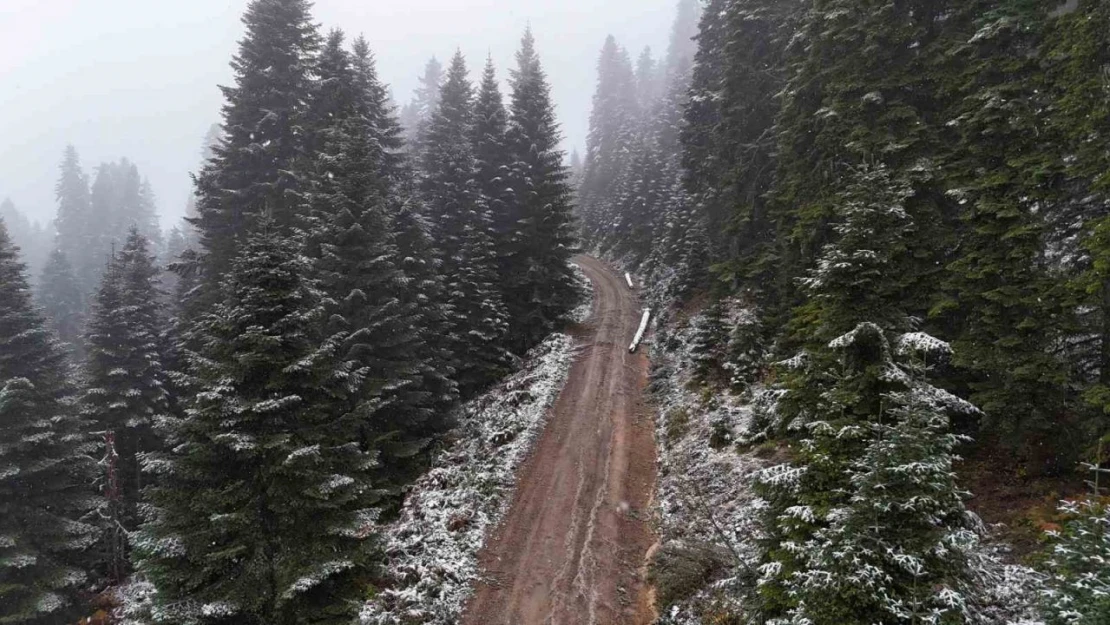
{"x":570,"y":550}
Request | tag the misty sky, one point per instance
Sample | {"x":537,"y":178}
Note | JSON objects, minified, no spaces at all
{"x":137,"y":78}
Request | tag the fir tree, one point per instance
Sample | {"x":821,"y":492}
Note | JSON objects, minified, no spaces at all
{"x":126,"y":381}
{"x":612,"y":126}
{"x":45,"y":472}
{"x":540,"y":288}
{"x":492,"y":158}
{"x":354,"y":256}
{"x":73,"y":218}
{"x":461,"y":233}
{"x":251,"y":174}
{"x":263,"y":504}
{"x":60,"y":297}
{"x":417,"y":113}
{"x":1006,"y":307}
{"x":386,"y":130}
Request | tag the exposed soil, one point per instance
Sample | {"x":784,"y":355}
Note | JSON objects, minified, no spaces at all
{"x":571,"y":549}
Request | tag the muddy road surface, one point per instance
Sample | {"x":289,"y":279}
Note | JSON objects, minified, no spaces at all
{"x":571,"y":549}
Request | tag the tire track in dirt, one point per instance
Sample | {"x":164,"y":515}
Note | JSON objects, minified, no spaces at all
{"x":571,"y":547}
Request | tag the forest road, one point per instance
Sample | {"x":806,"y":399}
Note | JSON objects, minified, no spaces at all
{"x":571,"y":549}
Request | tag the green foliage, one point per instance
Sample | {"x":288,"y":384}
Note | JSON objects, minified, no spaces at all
{"x":263,"y":503}
{"x":1078,"y":579}
{"x":539,"y":288}
{"x":45,"y":466}
{"x":126,"y":383}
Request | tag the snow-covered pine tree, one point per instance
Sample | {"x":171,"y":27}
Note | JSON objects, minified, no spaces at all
{"x":71,"y":220}
{"x":61,"y":300}
{"x":251,"y":174}
{"x":612,"y":130}
{"x":125,"y":393}
{"x":355,"y":259}
{"x":462,"y":235}
{"x":491,"y":155}
{"x":386,"y":130}
{"x":45,"y":467}
{"x":1076,"y":592}
{"x":853,"y":400}
{"x":416,"y":115}
{"x":34,"y":241}
{"x":540,"y":287}
{"x":867,"y":523}
{"x":709,"y":341}
{"x":1077,"y":48}
{"x":261,"y":507}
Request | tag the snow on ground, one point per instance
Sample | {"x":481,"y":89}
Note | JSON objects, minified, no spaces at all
{"x":586,"y":303}
{"x":432,"y":548}
{"x":707,"y":512}
{"x":705,"y":504}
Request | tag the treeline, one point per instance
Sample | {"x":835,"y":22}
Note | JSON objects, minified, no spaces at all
{"x":912,"y":199}
{"x":336,"y":293}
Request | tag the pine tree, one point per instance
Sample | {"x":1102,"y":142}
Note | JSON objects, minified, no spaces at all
{"x":1006,"y":307}
{"x":491,"y":154}
{"x":126,"y":381}
{"x":418,"y":113}
{"x":45,"y":469}
{"x":73,"y":219}
{"x":612,"y":130}
{"x":251,"y":174}
{"x":540,"y":287}
{"x":33,"y":240}
{"x":462,"y":234}
{"x":351,"y":245}
{"x":60,"y":297}
{"x":386,"y":130}
{"x":263,"y":503}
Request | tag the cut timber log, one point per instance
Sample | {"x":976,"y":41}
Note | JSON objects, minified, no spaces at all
{"x":640,"y":333}
{"x":628,"y":278}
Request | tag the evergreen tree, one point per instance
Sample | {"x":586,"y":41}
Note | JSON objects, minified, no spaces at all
{"x":251,"y":174}
{"x":45,"y":472}
{"x":369,"y":317}
{"x":1006,"y":307}
{"x":126,"y":380}
{"x":461,"y":233}
{"x":539,"y":289}
{"x":75,"y":236}
{"x":386,"y":130}
{"x":262,"y":505}
{"x":33,"y":240}
{"x":612,"y":127}
{"x":417,"y":113}
{"x":492,"y":158}
{"x":60,"y":297}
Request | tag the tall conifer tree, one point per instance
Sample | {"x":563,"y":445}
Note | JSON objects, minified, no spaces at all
{"x":462,"y":234}
{"x":540,"y":288}
{"x":261,"y":506}
{"x":251,"y":173}
{"x":45,"y":467}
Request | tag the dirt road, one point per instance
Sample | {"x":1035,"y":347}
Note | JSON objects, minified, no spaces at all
{"x":570,"y":551}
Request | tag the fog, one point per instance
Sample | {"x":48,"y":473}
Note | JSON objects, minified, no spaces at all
{"x":138,"y":78}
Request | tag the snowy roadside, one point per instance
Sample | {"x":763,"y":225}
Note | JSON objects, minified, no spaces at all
{"x":707,"y":513}
{"x":432,"y":548}
{"x":705,"y":508}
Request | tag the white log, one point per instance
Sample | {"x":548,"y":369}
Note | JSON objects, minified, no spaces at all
{"x":628,"y":278}
{"x":640,"y":333}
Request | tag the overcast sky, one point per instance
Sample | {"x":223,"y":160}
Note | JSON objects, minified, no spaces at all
{"x":137,"y":78}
